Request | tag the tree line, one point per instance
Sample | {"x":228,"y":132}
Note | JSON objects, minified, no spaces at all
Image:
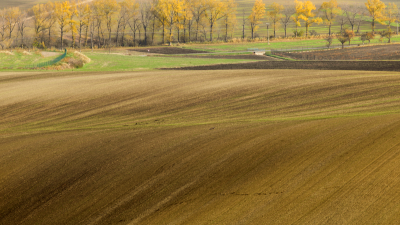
{"x":105,"y":23}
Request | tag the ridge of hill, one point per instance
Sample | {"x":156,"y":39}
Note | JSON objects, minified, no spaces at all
{"x":200,"y":147}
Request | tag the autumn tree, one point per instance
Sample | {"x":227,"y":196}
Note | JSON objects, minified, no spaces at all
{"x":306,"y":14}
{"x":287,"y":13}
{"x":160,"y":11}
{"x":257,"y":13}
{"x":215,"y":11}
{"x":172,"y":10}
{"x":122,"y":18}
{"x":376,"y":10}
{"x":229,"y":17}
{"x":296,"y":17}
{"x":39,"y":18}
{"x":22,"y":25}
{"x":51,"y":19}
{"x":72,"y":23}
{"x":107,"y":9}
{"x":274,"y":15}
{"x":349,"y":35}
{"x":329,"y":10}
{"x":342,"y":39}
{"x":390,"y":13}
{"x":12,"y":16}
{"x":354,"y":15}
{"x":133,"y":21}
{"x":3,"y":24}
{"x":146,"y":15}
{"x":198,"y":8}
{"x":187,"y":18}
{"x":128,"y":11}
{"x":62,"y":12}
{"x":82,"y":18}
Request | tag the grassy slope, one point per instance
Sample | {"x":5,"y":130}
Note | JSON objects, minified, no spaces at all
{"x":200,"y":147}
{"x":279,"y":44}
{"x":21,"y":60}
{"x":115,"y":62}
{"x":112,"y":62}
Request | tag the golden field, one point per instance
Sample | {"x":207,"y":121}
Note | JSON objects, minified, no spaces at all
{"x":200,"y":147}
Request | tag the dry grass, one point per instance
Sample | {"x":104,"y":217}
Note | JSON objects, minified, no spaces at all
{"x":6,"y":52}
{"x":200,"y":147}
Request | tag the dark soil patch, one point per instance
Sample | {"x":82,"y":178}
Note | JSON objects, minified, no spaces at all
{"x":377,"y":52}
{"x":315,"y":65}
{"x":255,"y":57}
{"x":166,"y":50}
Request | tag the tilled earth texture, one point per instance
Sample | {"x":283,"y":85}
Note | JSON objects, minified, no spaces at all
{"x":200,"y":147}
{"x":377,"y":52}
{"x":301,"y":65}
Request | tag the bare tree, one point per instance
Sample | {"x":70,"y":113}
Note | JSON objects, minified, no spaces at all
{"x":145,"y":18}
{"x":341,"y":19}
{"x":198,"y":11}
{"x":134,"y":24}
{"x":51,"y":19}
{"x":22,"y":25}
{"x":3,"y":24}
{"x":354,"y":15}
{"x":287,"y":13}
{"x":12,"y":16}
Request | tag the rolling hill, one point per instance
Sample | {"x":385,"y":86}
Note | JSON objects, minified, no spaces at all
{"x":200,"y":147}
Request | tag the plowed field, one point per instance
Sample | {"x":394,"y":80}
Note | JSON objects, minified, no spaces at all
{"x":377,"y":52}
{"x":200,"y":147}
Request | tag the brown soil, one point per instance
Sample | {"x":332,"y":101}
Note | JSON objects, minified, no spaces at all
{"x":250,"y":56}
{"x":316,"y":65}
{"x":200,"y":147}
{"x":377,"y":52}
{"x":166,"y":50}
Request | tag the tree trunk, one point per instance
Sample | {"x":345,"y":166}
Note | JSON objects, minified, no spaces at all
{"x":211,"y":32}
{"x":226,"y":31}
{"x":163,"y":33}
{"x":330,"y":24}
{"x":306,"y":30}
{"x":80,"y":36}
{"x":154,"y":25}
{"x":285,"y":30}
{"x":49,"y":37}
{"x":62,"y":43}
{"x":197,"y":31}
{"x":189,"y":31}
{"x":86,"y":34}
{"x":373,"y":25}
{"x":134,"y":35}
{"x":178,"y":34}
{"x":184,"y":31}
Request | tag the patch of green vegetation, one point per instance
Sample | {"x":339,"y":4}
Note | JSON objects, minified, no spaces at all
{"x":115,"y":62}
{"x":283,"y":44}
{"x":20,"y":60}
{"x":279,"y":57}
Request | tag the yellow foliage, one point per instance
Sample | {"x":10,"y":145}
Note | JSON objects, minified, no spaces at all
{"x":390,"y":13}
{"x":330,"y":10}
{"x":257,"y":13}
{"x":305,"y":13}
{"x":376,"y":10}
{"x":275,"y":14}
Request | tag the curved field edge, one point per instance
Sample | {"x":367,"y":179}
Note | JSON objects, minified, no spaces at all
{"x":200,"y":147}
{"x":303,"y":65}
